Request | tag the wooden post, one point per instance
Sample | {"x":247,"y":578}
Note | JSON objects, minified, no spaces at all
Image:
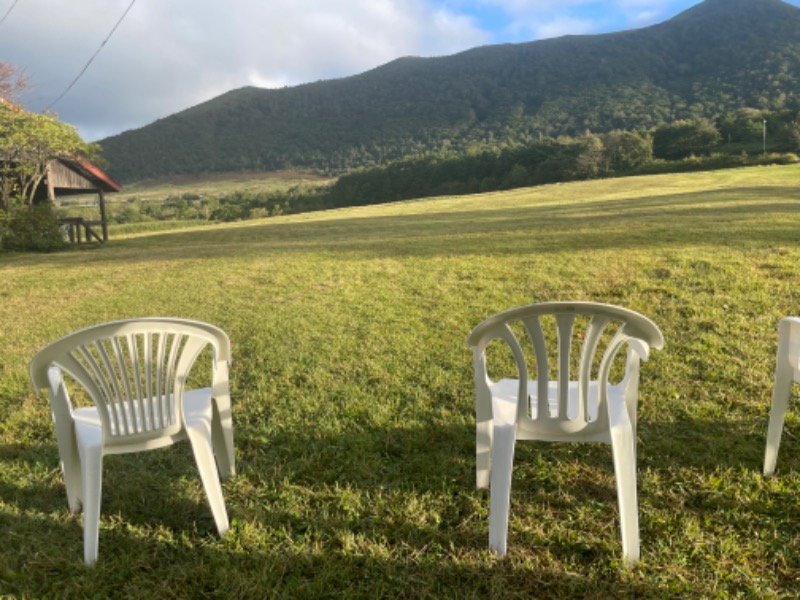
{"x":103,"y":221}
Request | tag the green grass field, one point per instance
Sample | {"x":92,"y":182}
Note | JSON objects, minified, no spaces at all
{"x":353,"y":400}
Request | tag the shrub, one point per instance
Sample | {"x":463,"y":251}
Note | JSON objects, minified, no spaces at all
{"x":34,"y":228}
{"x":786,"y":158}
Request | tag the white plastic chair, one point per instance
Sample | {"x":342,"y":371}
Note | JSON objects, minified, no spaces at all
{"x":787,"y":372}
{"x":555,"y":406}
{"x":135,"y":373}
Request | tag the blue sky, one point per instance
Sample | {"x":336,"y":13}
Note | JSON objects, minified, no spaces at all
{"x":509,"y":21}
{"x":168,"y":55}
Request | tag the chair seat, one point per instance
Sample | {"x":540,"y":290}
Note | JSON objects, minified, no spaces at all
{"x":504,"y":396}
{"x":89,"y":429}
{"x":550,"y":427}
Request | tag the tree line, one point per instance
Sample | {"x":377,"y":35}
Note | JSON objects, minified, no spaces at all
{"x":734,"y":140}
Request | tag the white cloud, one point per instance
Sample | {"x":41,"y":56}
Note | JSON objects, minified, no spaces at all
{"x":645,"y":17}
{"x":562,"y":26}
{"x":639,"y":13}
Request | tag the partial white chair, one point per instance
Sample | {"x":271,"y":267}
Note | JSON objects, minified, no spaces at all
{"x":135,"y":372}
{"x":586,"y":408}
{"x":787,"y":372}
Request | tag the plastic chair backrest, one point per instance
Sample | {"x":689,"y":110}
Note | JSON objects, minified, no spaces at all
{"x":133,"y":370}
{"x":549,"y":407}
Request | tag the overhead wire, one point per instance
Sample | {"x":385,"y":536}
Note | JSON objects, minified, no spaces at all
{"x":8,"y":12}
{"x":74,"y":81}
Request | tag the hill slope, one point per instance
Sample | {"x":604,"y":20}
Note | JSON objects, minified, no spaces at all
{"x":715,"y":57}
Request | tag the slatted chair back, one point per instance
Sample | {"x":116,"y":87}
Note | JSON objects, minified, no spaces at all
{"x":134,"y":372}
{"x":563,"y":377}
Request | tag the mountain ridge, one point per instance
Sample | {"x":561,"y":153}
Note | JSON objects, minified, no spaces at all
{"x":716,"y":56}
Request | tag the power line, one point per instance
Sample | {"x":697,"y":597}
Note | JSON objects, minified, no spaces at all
{"x":74,"y":81}
{"x":8,"y":12}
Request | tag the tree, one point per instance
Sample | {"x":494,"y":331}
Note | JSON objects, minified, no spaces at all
{"x":744,"y":125}
{"x":588,"y":160}
{"x":518,"y":176}
{"x":625,"y":151}
{"x":27,"y":142}
{"x":684,"y":138}
{"x":793,"y":134}
{"x":12,"y":82}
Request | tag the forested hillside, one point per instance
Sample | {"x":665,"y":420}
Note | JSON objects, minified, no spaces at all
{"x":715,"y":58}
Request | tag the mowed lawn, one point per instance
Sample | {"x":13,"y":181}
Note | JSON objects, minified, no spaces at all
{"x":353,"y":400}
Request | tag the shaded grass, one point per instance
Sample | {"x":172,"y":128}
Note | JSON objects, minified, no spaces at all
{"x":353,"y":399}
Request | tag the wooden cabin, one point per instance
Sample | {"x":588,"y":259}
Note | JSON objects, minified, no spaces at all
{"x":67,"y":177}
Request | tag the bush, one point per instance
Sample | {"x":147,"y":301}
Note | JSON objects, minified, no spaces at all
{"x":31,"y":229}
{"x":786,"y":158}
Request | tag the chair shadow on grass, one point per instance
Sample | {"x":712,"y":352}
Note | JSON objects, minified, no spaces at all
{"x":154,"y":491}
{"x":42,"y":554}
{"x":396,"y":512}
{"x":437,"y":461}
{"x":384,"y":511}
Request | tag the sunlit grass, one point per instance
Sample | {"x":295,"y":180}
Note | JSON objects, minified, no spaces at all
{"x":354,"y":411}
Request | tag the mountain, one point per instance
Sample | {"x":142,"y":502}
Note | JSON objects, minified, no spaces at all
{"x":713,"y":58}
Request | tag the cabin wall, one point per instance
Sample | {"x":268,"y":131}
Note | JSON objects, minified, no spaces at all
{"x":59,"y":176}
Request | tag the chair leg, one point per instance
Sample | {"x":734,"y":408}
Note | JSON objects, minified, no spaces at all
{"x":222,"y":422}
{"x":623,"y":448}
{"x":200,"y":437}
{"x":483,"y":453}
{"x":222,"y":441}
{"x":73,"y":480}
{"x":777,"y":415}
{"x":92,"y":486}
{"x":785,"y":370}
{"x":67,"y":446}
{"x":500,"y":497}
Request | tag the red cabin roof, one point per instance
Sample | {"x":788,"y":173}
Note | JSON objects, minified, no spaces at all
{"x":93,"y":173}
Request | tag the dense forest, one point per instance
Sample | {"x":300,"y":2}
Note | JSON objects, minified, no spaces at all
{"x":679,"y":146}
{"x":706,"y":63}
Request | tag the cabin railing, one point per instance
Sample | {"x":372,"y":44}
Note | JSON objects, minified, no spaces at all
{"x":80,"y":231}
